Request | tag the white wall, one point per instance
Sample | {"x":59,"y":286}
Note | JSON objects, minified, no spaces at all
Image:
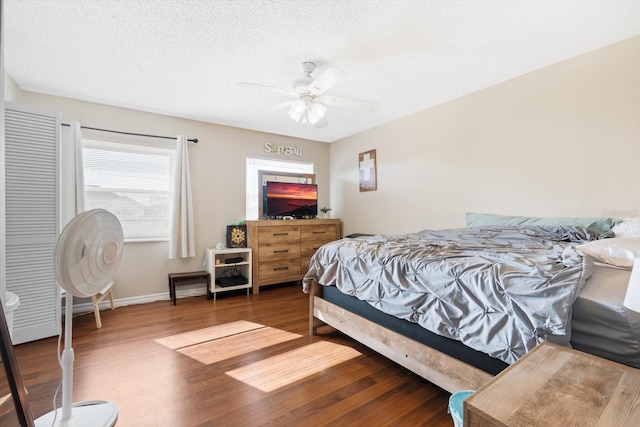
{"x":218,"y":181}
{"x":11,"y":88}
{"x":561,"y":141}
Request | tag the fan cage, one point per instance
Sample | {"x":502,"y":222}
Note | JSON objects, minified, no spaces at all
{"x":88,"y":252}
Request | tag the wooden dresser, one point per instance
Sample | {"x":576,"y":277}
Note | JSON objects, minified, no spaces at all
{"x":282,"y":248}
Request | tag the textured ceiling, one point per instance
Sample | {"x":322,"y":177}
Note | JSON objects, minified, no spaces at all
{"x":183,"y":58}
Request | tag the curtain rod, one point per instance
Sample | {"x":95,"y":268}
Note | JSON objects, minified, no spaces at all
{"x":194,"y":140}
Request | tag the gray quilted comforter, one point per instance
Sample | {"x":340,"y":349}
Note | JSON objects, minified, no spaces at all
{"x":499,"y":290}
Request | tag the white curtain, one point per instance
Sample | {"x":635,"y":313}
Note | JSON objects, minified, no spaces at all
{"x":77,"y":143}
{"x":182,"y":241}
{"x":72,"y":176}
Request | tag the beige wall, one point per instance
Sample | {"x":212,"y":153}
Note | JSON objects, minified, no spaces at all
{"x":561,"y":141}
{"x":218,"y":181}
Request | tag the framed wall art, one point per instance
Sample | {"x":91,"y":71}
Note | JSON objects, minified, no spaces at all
{"x":367,"y":171}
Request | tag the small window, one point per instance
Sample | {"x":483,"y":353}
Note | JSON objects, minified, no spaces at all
{"x":134,"y":183}
{"x":254,"y":166}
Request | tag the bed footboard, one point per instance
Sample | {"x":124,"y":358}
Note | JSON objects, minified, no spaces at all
{"x":436,"y":367}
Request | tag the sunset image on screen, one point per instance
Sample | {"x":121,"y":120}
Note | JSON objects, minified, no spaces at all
{"x":291,"y":199}
{"x":285,"y":190}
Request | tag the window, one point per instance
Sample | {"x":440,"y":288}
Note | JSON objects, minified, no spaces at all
{"x":254,"y":166}
{"x":134,"y":183}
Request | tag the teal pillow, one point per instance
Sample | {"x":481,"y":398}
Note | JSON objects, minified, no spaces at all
{"x":600,"y":225}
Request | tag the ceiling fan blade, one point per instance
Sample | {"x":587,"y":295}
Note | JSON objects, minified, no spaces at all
{"x":279,"y":106}
{"x":329,"y":78}
{"x":296,"y":113}
{"x":273,"y":108}
{"x":341,"y":101}
{"x":271,"y":88}
{"x":322,"y":123}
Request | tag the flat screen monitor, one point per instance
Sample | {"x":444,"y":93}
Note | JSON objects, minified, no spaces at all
{"x":291,"y":199}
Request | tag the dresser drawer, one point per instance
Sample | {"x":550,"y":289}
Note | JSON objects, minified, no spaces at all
{"x":304,"y":264}
{"x":282,"y":268}
{"x":278,"y":234}
{"x":307,"y":249}
{"x":275,"y":251}
{"x":322,"y":232}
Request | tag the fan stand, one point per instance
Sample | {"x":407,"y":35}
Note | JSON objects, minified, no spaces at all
{"x":89,"y":413}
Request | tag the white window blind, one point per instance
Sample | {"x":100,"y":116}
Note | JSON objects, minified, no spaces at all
{"x":134,"y":183}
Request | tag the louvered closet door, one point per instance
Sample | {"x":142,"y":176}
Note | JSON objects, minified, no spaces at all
{"x":32,"y":207}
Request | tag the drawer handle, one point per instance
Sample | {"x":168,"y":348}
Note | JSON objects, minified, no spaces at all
{"x":280,"y":234}
{"x":281,"y":251}
{"x":280,"y":268}
{"x":320,"y":232}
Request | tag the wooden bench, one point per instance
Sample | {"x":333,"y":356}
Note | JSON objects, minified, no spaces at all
{"x":176,"y":279}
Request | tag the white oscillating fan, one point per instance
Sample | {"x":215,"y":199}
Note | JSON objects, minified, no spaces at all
{"x":87,"y":257}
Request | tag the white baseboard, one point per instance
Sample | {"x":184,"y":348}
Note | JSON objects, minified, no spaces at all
{"x":143,"y":299}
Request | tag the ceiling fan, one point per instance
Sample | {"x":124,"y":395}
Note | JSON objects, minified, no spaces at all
{"x":310,"y":98}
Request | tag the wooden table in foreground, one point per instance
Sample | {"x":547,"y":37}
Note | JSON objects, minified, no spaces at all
{"x":556,"y":386}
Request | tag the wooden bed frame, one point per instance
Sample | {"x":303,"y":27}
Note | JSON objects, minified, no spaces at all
{"x":436,"y":367}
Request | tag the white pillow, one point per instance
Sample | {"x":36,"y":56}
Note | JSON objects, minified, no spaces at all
{"x":629,"y":227}
{"x":619,"y":251}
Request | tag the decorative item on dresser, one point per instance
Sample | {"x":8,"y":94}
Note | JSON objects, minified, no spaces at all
{"x":237,"y":236}
{"x":282,"y":248}
{"x":325,"y":212}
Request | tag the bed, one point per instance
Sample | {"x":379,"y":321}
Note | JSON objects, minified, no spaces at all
{"x":458,"y":306}
{"x":600,"y":324}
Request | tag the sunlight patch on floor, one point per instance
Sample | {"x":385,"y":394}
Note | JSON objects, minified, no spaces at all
{"x":199,"y":336}
{"x":237,"y":345}
{"x":287,"y":368}
{"x":4,"y":399}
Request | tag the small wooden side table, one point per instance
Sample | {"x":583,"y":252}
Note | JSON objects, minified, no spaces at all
{"x":176,"y":279}
{"x":557,"y":386}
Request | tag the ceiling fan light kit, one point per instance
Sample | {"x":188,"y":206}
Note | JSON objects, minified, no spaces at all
{"x":305,"y":110}
{"x":308,"y":68}
{"x":311,"y":98}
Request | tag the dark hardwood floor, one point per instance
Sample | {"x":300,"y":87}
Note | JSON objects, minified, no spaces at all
{"x":241,"y":360}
